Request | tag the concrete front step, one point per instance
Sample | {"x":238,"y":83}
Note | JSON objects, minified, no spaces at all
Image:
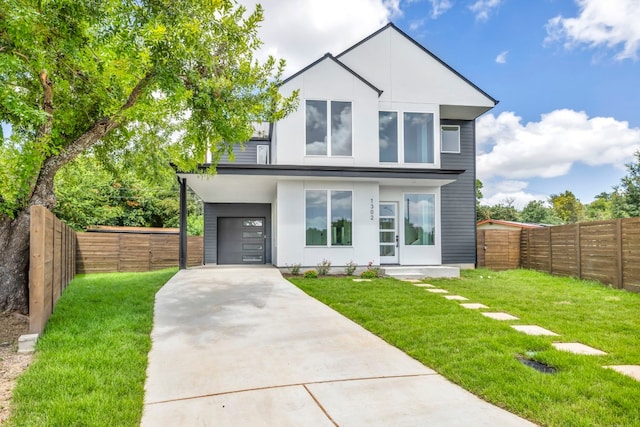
{"x":420,"y":272}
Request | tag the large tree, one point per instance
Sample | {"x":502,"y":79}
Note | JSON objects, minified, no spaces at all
{"x":626,"y":196}
{"x":143,"y":81}
{"x":567,"y":207}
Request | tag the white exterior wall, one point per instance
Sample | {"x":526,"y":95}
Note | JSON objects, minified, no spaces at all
{"x":329,"y":81}
{"x":291,"y":225}
{"x":415,"y":255}
{"x":407,"y":74}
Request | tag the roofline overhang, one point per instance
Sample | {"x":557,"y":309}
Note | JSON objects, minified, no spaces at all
{"x":328,"y":171}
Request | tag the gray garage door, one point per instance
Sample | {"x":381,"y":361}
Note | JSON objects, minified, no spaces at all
{"x":241,"y":240}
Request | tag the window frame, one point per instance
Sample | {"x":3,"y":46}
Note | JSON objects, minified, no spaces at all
{"x":442,"y":129}
{"x":400,"y":111}
{"x":329,"y":128}
{"x":328,"y":217}
{"x":407,"y":219}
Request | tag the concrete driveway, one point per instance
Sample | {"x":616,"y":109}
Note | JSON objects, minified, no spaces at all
{"x":244,"y":347}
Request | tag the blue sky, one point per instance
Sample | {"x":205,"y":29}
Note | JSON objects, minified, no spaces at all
{"x":566,"y":73}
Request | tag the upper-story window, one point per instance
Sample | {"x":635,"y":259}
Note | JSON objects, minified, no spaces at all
{"x":417,"y":136}
{"x":450,"y":137}
{"x":328,"y":128}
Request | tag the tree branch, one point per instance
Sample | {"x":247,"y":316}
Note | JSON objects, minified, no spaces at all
{"x":42,"y":193}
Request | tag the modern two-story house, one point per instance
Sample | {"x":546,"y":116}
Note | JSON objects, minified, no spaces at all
{"x":377,"y":165}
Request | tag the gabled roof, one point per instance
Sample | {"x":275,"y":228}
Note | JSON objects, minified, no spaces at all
{"x":393,"y":26}
{"x":334,"y":59}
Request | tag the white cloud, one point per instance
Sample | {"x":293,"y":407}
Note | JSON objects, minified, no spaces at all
{"x":502,"y":57}
{"x":439,"y":7}
{"x":548,"y":148}
{"x":514,"y":192}
{"x":303,"y":31}
{"x":607,"y":23}
{"x":483,"y":8}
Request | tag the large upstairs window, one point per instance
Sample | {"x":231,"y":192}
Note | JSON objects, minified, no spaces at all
{"x":410,"y":139}
{"x":328,"y":128}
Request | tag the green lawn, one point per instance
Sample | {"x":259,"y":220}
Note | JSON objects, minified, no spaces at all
{"x":90,"y":364}
{"x":480,"y":353}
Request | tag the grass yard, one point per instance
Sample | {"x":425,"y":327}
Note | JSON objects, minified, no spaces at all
{"x":90,"y":364}
{"x":480,"y":353}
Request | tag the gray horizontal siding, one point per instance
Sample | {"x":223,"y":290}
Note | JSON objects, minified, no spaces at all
{"x":459,"y":200}
{"x":247,"y":156}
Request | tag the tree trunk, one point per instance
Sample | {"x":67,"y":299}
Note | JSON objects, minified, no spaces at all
{"x":14,"y":263}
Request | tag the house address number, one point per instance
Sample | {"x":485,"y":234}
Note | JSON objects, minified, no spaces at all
{"x":371,"y":210}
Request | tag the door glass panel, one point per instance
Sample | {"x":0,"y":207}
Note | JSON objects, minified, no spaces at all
{"x":386,"y":250}
{"x":251,"y":247}
{"x":251,"y":234}
{"x":252,"y":223}
{"x":252,"y":258}
{"x":386,"y":237}
{"x":388,"y":210}
{"x":387,"y":224}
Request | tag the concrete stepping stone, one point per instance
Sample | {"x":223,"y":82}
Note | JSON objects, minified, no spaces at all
{"x":456,"y":297}
{"x":424,"y":285}
{"x":577,"y":348}
{"x":437,"y":291}
{"x":533,"y":330}
{"x":473,"y":305}
{"x":361,"y":280}
{"x":411,"y":280}
{"x":632,"y":371}
{"x":500,"y":316}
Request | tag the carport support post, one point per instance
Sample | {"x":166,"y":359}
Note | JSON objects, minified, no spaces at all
{"x":183,"y":223}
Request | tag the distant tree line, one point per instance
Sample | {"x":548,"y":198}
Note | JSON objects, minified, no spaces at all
{"x":564,"y":208}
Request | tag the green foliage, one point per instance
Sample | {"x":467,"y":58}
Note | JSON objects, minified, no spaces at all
{"x":626,"y":196}
{"x":91,"y":360}
{"x":310,"y":274}
{"x":323,"y":267}
{"x":369,"y":274}
{"x":567,"y":207}
{"x":90,"y":194}
{"x":294,"y":269}
{"x":537,"y":212}
{"x":350,"y":268}
{"x":153,"y":81}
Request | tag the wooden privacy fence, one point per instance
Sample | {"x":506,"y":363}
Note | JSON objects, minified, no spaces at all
{"x":105,"y":252}
{"x":52,"y":265}
{"x":498,"y":249}
{"x":606,"y":251}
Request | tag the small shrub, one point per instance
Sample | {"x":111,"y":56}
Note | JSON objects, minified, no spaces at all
{"x":376,"y":271}
{"x":294,"y":269}
{"x":323,"y":267}
{"x":369,"y":274}
{"x":350,"y":268}
{"x":310,"y":274}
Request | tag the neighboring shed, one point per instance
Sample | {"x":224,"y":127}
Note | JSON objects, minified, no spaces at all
{"x":498,"y":243}
{"x":498,"y":224}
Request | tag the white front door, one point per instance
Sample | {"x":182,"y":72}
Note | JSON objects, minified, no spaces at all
{"x":388,"y":233}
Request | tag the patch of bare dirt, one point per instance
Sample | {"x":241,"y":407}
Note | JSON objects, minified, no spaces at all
{"x":12,"y":363}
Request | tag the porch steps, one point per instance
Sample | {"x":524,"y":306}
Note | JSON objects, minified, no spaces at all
{"x":420,"y":272}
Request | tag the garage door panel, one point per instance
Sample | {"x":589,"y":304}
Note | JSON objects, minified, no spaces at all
{"x":241,"y":241}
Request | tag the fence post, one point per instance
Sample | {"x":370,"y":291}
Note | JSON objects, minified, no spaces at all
{"x":550,"y":251}
{"x":620,"y":273}
{"x":579,"y":251}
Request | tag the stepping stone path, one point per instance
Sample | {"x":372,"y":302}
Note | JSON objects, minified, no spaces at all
{"x":456,"y":297}
{"x":473,"y":305}
{"x":533,"y":330}
{"x":632,"y":371}
{"x":411,"y":280}
{"x":577,"y":348}
{"x":500,"y":316}
{"x":361,"y":280}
